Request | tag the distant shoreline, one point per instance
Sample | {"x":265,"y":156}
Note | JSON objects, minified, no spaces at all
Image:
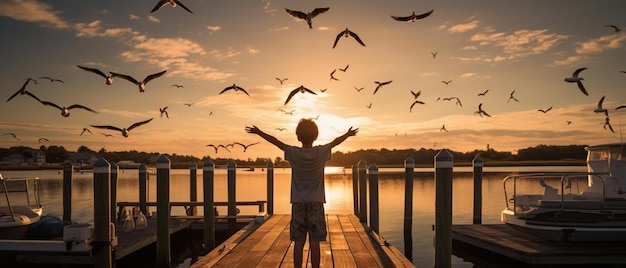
{"x":59,"y":166}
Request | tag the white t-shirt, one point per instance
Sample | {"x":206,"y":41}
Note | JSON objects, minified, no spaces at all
{"x":307,"y":172}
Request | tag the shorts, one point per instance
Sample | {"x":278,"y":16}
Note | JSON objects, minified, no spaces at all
{"x":308,"y":218}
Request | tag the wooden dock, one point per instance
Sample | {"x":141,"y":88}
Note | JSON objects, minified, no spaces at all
{"x":349,"y":243}
{"x":506,"y":244}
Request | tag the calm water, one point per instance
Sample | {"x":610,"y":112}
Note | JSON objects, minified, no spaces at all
{"x":251,"y":186}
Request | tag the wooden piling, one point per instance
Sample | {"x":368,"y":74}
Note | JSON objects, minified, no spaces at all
{"x":270,"y":188}
{"x":477,"y":163}
{"x":193,"y":188}
{"x":409,"y":166}
{"x":232,"y":198}
{"x":102,"y":249}
{"x":443,"y":209}
{"x":208,"y":176}
{"x":113,"y":192}
{"x":67,"y":190}
{"x":355,"y":188}
{"x":374,"y":205}
{"x":143,"y":178}
{"x":163,"y":258}
{"x":362,"y":191}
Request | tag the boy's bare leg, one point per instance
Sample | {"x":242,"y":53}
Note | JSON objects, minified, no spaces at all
{"x":315,"y":254}
{"x":297,"y":254}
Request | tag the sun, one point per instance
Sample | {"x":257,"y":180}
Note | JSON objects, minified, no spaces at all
{"x":331,"y":126}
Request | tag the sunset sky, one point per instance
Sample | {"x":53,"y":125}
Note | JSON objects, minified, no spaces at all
{"x":502,"y":46}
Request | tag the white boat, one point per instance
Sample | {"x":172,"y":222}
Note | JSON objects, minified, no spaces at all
{"x":20,"y":206}
{"x":573,"y":207}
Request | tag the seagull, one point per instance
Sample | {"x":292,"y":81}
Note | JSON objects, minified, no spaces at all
{"x":124,"y":130}
{"x":52,"y":79}
{"x":281,"y":129}
{"x":217,"y":147}
{"x":415,"y":102}
{"x":164,"y":111}
{"x":446,"y":82}
{"x":546,"y":110}
{"x":344,"y":69}
{"x":380,"y":84}
{"x":369,"y":106}
{"x":11,"y":134}
{"x":281,"y":80}
{"x":413,"y":17}
{"x":443,"y":128}
{"x":359,"y":89}
{"x":235,"y":88}
{"x":332,"y":77}
{"x":43,"y":139}
{"x":177,"y":86}
{"x":511,"y":97}
{"x":308,"y":17}
{"x":608,"y":124}
{"x":323,"y":90}
{"x":85,"y":130}
{"x":142,"y":84}
{"x":577,"y":80}
{"x":245,"y":147}
{"x":615,"y":28}
{"x":434,"y":54}
{"x":483,"y":93}
{"x":620,"y":107}
{"x":174,"y":3}
{"x":285,"y":112}
{"x":189,"y":104}
{"x":415,"y":95}
{"x":480,"y":111}
{"x":65,"y":111}
{"x":106,"y":135}
{"x":599,"y":109}
{"x":458,"y":102}
{"x":30,"y":79}
{"x":300,"y":89}
{"x":109,"y":79}
{"x":23,"y":91}
{"x":346,"y":33}
{"x":568,"y":122}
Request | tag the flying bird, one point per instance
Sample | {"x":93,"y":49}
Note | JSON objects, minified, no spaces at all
{"x":568,"y":122}
{"x":415,"y":102}
{"x":65,"y":111}
{"x":106,"y":135}
{"x":546,"y":110}
{"x":281,"y":129}
{"x":281,"y":80}
{"x":189,"y":104}
{"x":615,"y":28}
{"x":577,"y":80}
{"x":308,"y":17}
{"x":344,"y":69}
{"x":369,"y":105}
{"x":174,"y":3}
{"x":217,"y":147}
{"x":52,"y":79}
{"x":434,"y":54}
{"x":323,"y":90}
{"x":164,"y":111}
{"x":443,"y":128}
{"x":380,"y":84}
{"x":483,"y":93}
{"x":43,"y":139}
{"x":245,"y":147}
{"x":109,"y":78}
{"x":511,"y":97}
{"x":608,"y":124}
{"x":458,"y":102}
{"x":124,"y":131}
{"x":416,"y":94}
{"x":359,"y":89}
{"x":85,"y":130}
{"x":142,"y":84}
{"x":23,"y":91}
{"x":332,"y":77}
{"x":347,"y":33}
{"x":235,"y":88}
{"x":599,"y":109}
{"x":480,"y":111}
{"x":413,"y":17}
{"x":446,"y":82}
{"x":300,"y":89}
{"x":11,"y":134}
{"x":177,"y":86}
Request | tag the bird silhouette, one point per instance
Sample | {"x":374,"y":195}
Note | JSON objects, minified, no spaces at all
{"x":52,"y":79}
{"x":347,"y":33}
{"x":308,"y":17}
{"x":173,"y":3}
{"x":380,"y":84}
{"x":164,"y":111}
{"x":85,"y":130}
{"x":615,"y":28}
{"x":434,"y":54}
{"x":11,"y":134}
{"x":358,"y":89}
{"x":217,"y":147}
{"x":106,"y":135}
{"x":42,"y":139}
{"x":443,"y":128}
{"x":124,"y":131}
{"x":481,"y":112}
{"x":578,"y":80}
{"x":281,"y":129}
{"x":109,"y":78}
{"x":447,"y":82}
{"x":245,"y":147}
{"x":235,"y":88}
{"x":332,"y":77}
{"x":369,"y":105}
{"x":546,"y":110}
{"x":344,"y":69}
{"x":415,"y":102}
{"x":23,"y":91}
{"x":416,"y":94}
{"x":483,"y":93}
{"x":177,"y":86}
{"x":281,"y":80}
{"x":65,"y":111}
{"x":300,"y":89}
{"x":189,"y":104}
{"x":599,"y":109}
{"x":142,"y":84}
{"x":607,"y":123}
{"x":413,"y":17}
{"x":511,"y":97}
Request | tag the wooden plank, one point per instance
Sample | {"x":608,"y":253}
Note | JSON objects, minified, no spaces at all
{"x":342,"y":257}
{"x":129,"y":242}
{"x":397,"y":257}
{"x":376,"y":250}
{"x":326,"y":255}
{"x":278,"y":252}
{"x":362,"y":256}
{"x":260,"y":249}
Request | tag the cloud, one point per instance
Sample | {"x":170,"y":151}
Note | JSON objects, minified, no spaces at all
{"x":268,"y":7}
{"x":153,"y":19}
{"x":93,"y":29}
{"x":280,"y":28}
{"x":32,"y":11}
{"x":461,"y":28}
{"x":519,"y":44}
{"x":133,"y":17}
{"x":123,"y":113}
{"x":231,"y":52}
{"x":601,"y":44}
{"x":214,"y":28}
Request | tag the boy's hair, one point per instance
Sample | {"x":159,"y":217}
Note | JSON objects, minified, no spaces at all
{"x":306,"y":130}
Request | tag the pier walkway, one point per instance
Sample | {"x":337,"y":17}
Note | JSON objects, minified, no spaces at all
{"x":348,"y":244}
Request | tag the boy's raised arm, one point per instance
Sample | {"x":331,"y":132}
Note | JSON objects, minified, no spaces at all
{"x":273,"y":140}
{"x":340,"y":139}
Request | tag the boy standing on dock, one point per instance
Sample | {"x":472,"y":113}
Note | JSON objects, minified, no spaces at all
{"x":307,"y":186}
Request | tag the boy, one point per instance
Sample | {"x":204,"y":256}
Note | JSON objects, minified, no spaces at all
{"x":307,"y":186}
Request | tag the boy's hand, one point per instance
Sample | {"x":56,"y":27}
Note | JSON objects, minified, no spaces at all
{"x":253,"y":129}
{"x":352,"y":132}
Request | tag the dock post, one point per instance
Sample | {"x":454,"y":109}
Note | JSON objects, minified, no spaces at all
{"x":355,"y":188}
{"x":373,"y":185}
{"x":362,"y":191}
{"x":443,"y":209}
{"x":103,"y":255}
{"x":163,"y":258}
{"x":478,"y":189}
{"x":67,"y":190}
{"x":114,"y":171}
{"x":143,"y":178}
{"x":409,"y":166}
{"x":232,"y":199}
{"x":270,"y":188}
{"x":193,"y":188}
{"x":208,"y":176}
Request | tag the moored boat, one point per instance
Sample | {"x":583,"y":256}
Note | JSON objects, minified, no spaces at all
{"x":573,"y":207}
{"x":20,"y":207}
